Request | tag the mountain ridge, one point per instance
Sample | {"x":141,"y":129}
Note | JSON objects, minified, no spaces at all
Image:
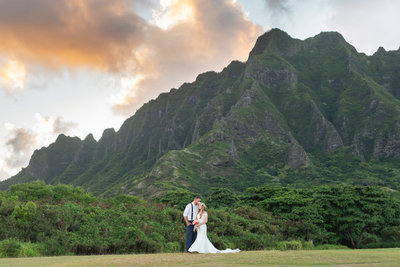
{"x":276,"y":118}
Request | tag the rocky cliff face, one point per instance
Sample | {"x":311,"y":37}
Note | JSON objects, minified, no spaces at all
{"x":277,"y":118}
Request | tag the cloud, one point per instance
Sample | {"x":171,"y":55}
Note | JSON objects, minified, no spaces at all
{"x":61,"y":126}
{"x":3,"y":172}
{"x":12,"y":75}
{"x":215,"y":33}
{"x":367,"y":24}
{"x":278,"y":5}
{"x":144,"y":56}
{"x":17,"y":150}
{"x":48,"y":127}
{"x":70,"y":32}
{"x":21,"y":141}
{"x":181,"y":39}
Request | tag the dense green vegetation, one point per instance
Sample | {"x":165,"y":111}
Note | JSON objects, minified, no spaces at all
{"x":40,"y":219}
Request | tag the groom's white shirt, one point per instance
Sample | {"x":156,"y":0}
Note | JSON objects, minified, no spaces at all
{"x":188,"y":211}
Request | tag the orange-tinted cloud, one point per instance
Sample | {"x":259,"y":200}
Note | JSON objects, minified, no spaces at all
{"x":184,"y":38}
{"x":70,"y":32}
{"x":217,"y":33}
{"x":12,"y":75}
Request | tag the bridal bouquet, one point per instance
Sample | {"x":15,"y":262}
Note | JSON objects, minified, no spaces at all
{"x":195,"y":223}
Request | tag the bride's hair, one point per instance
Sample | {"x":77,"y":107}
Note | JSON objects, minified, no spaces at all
{"x":203,"y":209}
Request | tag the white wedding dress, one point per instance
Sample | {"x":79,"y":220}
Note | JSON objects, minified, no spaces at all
{"x":202,"y":244}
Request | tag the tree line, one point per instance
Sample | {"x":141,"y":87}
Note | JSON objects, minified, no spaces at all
{"x":40,"y":219}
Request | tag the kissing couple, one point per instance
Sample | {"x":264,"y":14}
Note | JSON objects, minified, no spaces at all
{"x":196,"y":219}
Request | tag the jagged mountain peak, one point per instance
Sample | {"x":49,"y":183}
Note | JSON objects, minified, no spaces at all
{"x":381,"y":50}
{"x":330,"y":36}
{"x":108,"y":132}
{"x":63,"y":137}
{"x":272,"y":39}
{"x":235,"y":68}
{"x":89,"y":138}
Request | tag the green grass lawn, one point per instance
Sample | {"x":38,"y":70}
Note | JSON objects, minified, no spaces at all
{"x":367,"y":257}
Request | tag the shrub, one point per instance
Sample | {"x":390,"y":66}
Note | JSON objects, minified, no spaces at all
{"x":178,"y":198}
{"x":53,"y":247}
{"x":308,"y":245}
{"x":290,"y":245}
{"x":252,"y":241}
{"x":382,"y":245}
{"x":31,"y":249}
{"x":62,"y":220}
{"x":124,"y":199}
{"x":10,"y":248}
{"x":222,"y":197}
{"x":330,"y":246}
{"x":217,"y":240}
{"x":15,"y":248}
{"x":26,"y":212}
{"x":172,"y":247}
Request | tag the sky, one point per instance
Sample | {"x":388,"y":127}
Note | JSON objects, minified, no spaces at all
{"x":81,"y":66}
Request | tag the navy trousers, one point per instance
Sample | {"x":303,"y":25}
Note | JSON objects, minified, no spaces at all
{"x":190,"y":235}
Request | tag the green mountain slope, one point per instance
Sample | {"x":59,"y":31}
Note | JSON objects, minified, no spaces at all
{"x":297,"y":112}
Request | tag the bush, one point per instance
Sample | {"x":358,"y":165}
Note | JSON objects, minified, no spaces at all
{"x":222,"y":197}
{"x":25,"y":213}
{"x":290,"y":245}
{"x":308,"y":245}
{"x":31,"y":249}
{"x":382,"y":245}
{"x":172,"y":247}
{"x":124,"y":199}
{"x":53,"y":247}
{"x":218,"y":241}
{"x":63,"y":220}
{"x":10,"y":248}
{"x":330,"y":246}
{"x":15,"y":248}
{"x":178,"y":198}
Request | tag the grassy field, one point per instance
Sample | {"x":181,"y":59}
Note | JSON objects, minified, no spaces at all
{"x":375,"y":257}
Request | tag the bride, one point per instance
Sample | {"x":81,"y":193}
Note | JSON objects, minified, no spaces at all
{"x":202,"y":244}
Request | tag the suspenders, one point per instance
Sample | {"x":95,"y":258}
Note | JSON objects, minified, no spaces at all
{"x":191,"y":204}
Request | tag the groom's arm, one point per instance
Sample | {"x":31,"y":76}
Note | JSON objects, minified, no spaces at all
{"x":187,"y":221}
{"x":186,"y":214}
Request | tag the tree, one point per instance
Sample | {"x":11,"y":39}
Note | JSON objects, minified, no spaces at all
{"x":353,"y":211}
{"x":178,"y":198}
{"x":222,"y":197}
{"x":25,"y":213}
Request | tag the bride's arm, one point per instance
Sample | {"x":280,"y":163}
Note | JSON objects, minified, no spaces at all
{"x":205,"y":219}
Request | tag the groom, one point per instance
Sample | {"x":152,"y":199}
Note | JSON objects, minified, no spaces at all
{"x":190,"y":214}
